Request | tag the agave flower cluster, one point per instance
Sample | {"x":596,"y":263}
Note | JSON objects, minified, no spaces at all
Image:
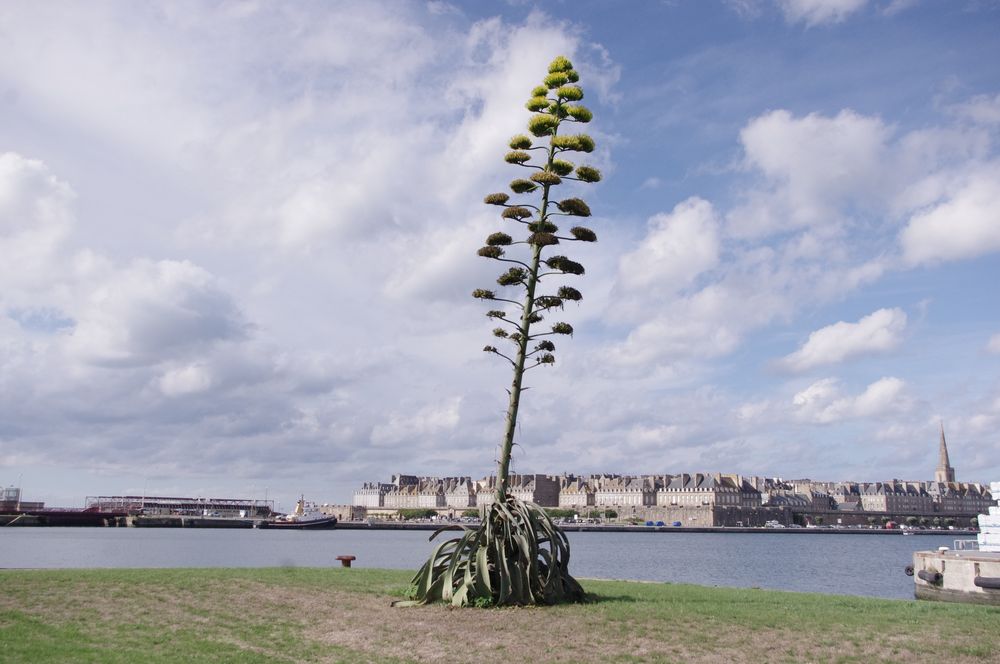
{"x":517,"y":555}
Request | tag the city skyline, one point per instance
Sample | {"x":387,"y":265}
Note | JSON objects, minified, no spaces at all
{"x":240,"y":241}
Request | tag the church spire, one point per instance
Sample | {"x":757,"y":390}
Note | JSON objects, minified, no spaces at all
{"x":944,"y":472}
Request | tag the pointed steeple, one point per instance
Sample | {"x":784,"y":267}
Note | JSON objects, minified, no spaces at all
{"x":944,"y":472}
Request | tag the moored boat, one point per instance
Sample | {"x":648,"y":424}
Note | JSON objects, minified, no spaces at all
{"x":306,"y":516}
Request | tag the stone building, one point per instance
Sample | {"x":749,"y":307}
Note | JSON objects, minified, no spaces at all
{"x":575,"y":492}
{"x":627,"y":491}
{"x":426,"y":493}
{"x":371,"y":494}
{"x":543,"y":490}
{"x":459,"y":492}
{"x":708,"y":490}
{"x":896,"y":497}
{"x":960,"y":497}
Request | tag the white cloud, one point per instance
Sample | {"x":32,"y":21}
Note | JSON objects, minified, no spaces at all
{"x":899,"y":6}
{"x":823,"y":402}
{"x":811,"y":165}
{"x":879,"y":331}
{"x":746,"y":9}
{"x":189,"y":379}
{"x":274,"y":228}
{"x":983,"y":109}
{"x":417,"y":428}
{"x":966,"y":224}
{"x":152,"y":311}
{"x":817,"y":12}
{"x":35,"y":218}
{"x":677,"y":248}
{"x":993,"y":345}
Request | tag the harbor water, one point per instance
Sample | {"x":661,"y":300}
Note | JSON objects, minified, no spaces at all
{"x":870,"y":565}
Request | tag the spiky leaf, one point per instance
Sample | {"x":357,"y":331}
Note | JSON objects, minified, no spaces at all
{"x":574,"y":206}
{"x":496,"y":199}
{"x":498,"y":240}
{"x":583,"y":234}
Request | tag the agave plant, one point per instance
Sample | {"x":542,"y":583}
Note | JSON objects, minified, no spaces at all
{"x":517,"y":555}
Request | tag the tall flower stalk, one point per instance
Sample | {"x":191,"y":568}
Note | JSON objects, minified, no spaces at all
{"x":517,"y":555}
{"x":554,"y":104}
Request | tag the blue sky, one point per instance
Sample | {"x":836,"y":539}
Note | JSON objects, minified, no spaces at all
{"x":240,"y":238}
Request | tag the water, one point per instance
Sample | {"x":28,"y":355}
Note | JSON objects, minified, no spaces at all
{"x":868,"y":565}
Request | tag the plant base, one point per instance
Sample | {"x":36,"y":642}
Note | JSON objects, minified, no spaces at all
{"x":516,"y":556}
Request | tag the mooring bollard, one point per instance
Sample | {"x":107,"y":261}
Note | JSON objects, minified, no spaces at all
{"x":345,"y":561}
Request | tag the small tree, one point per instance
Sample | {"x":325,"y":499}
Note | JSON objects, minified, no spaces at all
{"x":518,"y":555}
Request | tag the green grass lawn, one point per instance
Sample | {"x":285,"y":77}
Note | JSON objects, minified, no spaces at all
{"x":343,"y":615}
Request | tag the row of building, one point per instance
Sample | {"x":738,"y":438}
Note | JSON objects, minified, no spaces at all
{"x":683,"y":490}
{"x":732,"y":499}
{"x":409,"y":491}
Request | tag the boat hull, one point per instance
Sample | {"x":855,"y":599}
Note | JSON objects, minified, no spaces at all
{"x":316,"y":524}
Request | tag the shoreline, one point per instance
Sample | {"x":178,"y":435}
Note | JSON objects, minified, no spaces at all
{"x":617,"y":528}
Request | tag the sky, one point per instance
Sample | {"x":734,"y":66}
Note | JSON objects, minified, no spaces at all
{"x":238,"y":242}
